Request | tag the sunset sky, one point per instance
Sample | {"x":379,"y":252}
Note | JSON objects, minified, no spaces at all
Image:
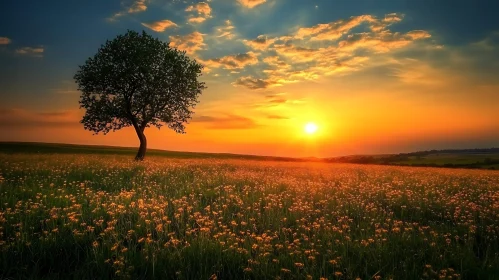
{"x":375,"y":76}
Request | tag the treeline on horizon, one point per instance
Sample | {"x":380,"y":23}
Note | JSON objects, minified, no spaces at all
{"x":486,"y":160}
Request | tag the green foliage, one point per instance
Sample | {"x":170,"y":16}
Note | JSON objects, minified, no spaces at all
{"x":137,"y":80}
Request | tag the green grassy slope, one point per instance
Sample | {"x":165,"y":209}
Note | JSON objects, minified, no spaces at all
{"x":473,"y":159}
{"x":59,"y":148}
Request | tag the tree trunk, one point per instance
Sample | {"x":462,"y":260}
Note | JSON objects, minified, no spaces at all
{"x":143,"y":142}
{"x":142,"y":148}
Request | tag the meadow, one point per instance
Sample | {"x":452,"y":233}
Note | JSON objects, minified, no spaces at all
{"x":103,"y":216}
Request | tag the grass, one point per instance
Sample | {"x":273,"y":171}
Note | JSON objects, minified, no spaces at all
{"x":442,"y":159}
{"x":50,"y":148}
{"x":469,"y":159}
{"x":104,"y":216}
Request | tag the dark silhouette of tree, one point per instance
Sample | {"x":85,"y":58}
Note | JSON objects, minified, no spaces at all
{"x":137,"y":80}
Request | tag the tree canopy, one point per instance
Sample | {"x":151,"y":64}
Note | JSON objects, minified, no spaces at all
{"x":140,"y":81}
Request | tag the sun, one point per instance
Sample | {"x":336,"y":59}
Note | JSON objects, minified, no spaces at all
{"x":310,"y":128}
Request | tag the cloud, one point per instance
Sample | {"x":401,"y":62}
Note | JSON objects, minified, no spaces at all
{"x":136,"y":6}
{"x":337,"y":29}
{"x":277,"y":117}
{"x":252,"y":83}
{"x":201,"y":8}
{"x":232,"y":62}
{"x":298,"y":54}
{"x":418,"y":34}
{"x":334,"y":48}
{"x":389,"y":19}
{"x":160,"y":26}
{"x":36,"y":52}
{"x":333,"y":30}
{"x":203,"y":11}
{"x":225,"y":31}
{"x":277,"y":100}
{"x":251,"y":3}
{"x":16,"y":117}
{"x":461,"y":66}
{"x":260,"y":43}
{"x":490,"y":43}
{"x":381,"y":42}
{"x":275,"y":61}
{"x":226,"y":122}
{"x":196,"y":19}
{"x":417,"y":72}
{"x":4,"y":41}
{"x":273,"y":101}
{"x":190,"y":43}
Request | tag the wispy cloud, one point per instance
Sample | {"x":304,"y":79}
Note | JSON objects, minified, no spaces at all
{"x":252,"y":82}
{"x":439,"y":67}
{"x":5,"y":41}
{"x":332,"y":30}
{"x":418,"y":72}
{"x":229,"y":121}
{"x":278,"y":101}
{"x":196,"y":19}
{"x":21,"y":118}
{"x":29,"y":51}
{"x":233,"y":62}
{"x":225,"y":31}
{"x":251,"y":3}
{"x":262,"y":42}
{"x":277,"y":117}
{"x":161,"y":25}
{"x":136,"y":6}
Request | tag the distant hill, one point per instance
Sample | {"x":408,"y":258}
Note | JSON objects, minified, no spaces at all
{"x":450,"y":158}
{"x":61,"y":148}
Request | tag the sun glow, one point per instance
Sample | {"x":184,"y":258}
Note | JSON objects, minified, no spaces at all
{"x":310,"y":128}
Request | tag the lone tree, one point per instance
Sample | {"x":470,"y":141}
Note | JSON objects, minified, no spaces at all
{"x":137,"y":80}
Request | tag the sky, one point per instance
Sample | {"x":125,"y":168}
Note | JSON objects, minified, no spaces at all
{"x":375,"y":76}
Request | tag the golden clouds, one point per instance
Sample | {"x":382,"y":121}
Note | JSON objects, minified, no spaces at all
{"x":136,"y":6}
{"x":203,"y":11}
{"x":4,"y":41}
{"x":252,"y":83}
{"x":161,"y":25}
{"x":21,"y":117}
{"x":201,"y":8}
{"x":36,"y":52}
{"x":196,"y":19}
{"x":225,"y":31}
{"x":418,"y":34}
{"x":260,"y":43}
{"x":232,"y":62}
{"x":251,"y":3}
{"x":324,"y":49}
{"x":275,"y":61}
{"x":190,"y":43}
{"x":333,"y":30}
{"x":229,"y":121}
{"x":337,"y":29}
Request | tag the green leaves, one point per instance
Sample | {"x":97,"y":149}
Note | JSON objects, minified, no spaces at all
{"x":138,"y":79}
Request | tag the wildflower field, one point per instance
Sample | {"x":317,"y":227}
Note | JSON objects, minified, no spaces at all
{"x":85,"y":216}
